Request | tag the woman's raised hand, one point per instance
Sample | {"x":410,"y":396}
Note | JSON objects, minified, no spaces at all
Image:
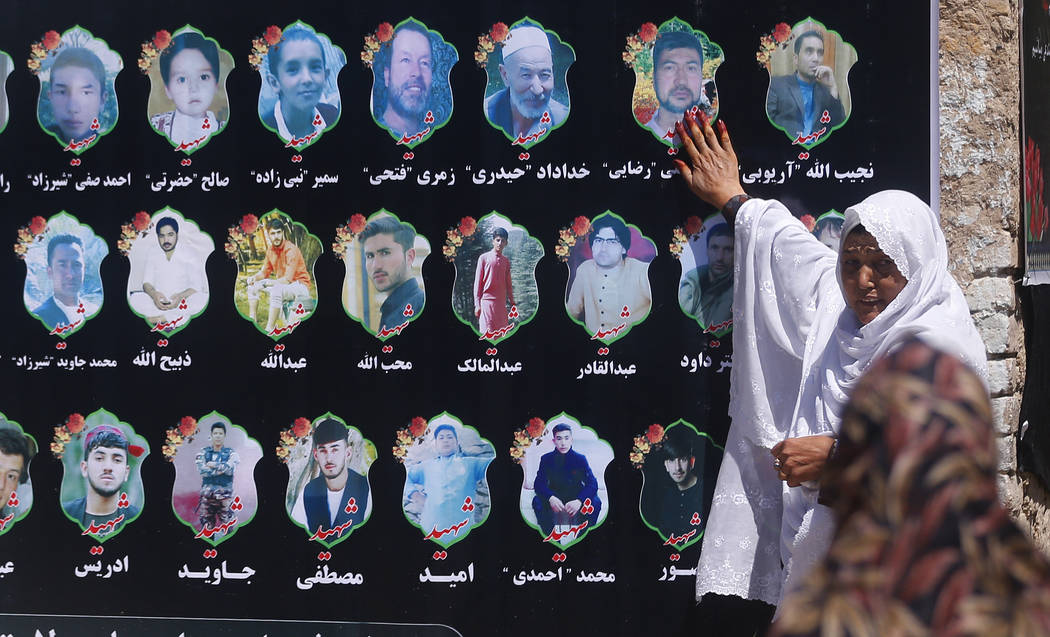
{"x":711,"y":170}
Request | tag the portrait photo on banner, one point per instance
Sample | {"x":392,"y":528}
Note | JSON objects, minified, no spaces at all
{"x":679,"y":468}
{"x":6,"y":66}
{"x":102,"y":459}
{"x":705,"y":289}
{"x":674,"y":72}
{"x":17,"y":450}
{"x":808,"y":95}
{"x":63,"y":287}
{"x":328,"y":490}
{"x":495,"y":289}
{"x":187,"y":72}
{"x":411,"y":95}
{"x":608,"y":289}
{"x":275,"y":287}
{"x":167,"y":284}
{"x":299,"y":94}
{"x":527,"y":92}
{"x":383,"y":286}
{"x":563,"y":494}
{"x":78,"y":102}
{"x":446,"y":492}
{"x":214,"y":491}
{"x":827,"y":228}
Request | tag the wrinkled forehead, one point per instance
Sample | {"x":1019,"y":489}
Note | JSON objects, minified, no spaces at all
{"x":532,"y":57}
{"x":904,"y":227}
{"x":860,"y":241}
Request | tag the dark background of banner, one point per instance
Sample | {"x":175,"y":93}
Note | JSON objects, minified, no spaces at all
{"x":888,"y":127}
{"x":1033,"y":448}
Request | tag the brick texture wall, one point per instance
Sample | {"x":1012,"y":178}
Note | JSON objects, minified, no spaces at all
{"x":980,"y":162}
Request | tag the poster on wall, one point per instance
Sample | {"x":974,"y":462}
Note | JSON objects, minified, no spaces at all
{"x":1035,"y":49}
{"x":399,"y":322}
{"x":1033,"y":445}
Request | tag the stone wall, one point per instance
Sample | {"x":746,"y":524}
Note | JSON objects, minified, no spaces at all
{"x":980,"y":119}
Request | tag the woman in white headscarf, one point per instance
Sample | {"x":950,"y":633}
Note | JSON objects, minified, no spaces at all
{"x":807,"y":322}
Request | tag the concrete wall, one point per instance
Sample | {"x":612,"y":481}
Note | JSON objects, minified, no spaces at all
{"x":980,"y":119}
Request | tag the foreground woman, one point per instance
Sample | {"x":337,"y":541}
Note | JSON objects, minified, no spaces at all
{"x":807,"y":323}
{"x":923,"y":545}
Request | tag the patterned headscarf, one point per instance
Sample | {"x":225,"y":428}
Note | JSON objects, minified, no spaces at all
{"x":923,"y":546}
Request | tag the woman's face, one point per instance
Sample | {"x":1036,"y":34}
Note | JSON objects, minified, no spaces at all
{"x":191,"y":82}
{"x":870,"y":279}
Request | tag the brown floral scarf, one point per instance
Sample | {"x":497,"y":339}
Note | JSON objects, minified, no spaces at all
{"x":923,"y":546}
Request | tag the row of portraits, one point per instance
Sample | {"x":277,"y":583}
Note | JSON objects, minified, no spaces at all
{"x":445,"y":494}
{"x":526,"y":94}
{"x":494,"y":292}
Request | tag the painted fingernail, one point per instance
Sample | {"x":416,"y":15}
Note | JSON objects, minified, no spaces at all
{"x":722,"y":127}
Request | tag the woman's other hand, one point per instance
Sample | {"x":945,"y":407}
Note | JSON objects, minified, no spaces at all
{"x":799,"y":460}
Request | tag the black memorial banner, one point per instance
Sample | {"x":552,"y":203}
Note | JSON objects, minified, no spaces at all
{"x":1032,"y":446}
{"x":401,"y":199}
